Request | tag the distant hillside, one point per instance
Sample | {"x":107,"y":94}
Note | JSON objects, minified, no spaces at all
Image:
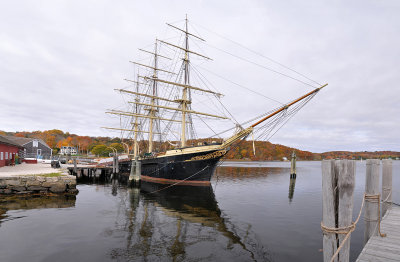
{"x":265,"y":150}
{"x":243,"y":151}
{"x":359,"y":155}
{"x":268,"y":151}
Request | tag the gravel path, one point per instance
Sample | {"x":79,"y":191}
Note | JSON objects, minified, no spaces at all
{"x":27,"y":169}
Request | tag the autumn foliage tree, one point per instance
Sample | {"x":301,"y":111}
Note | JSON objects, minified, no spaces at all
{"x":264,"y":150}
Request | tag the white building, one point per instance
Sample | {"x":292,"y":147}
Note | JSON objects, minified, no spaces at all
{"x":68,"y":150}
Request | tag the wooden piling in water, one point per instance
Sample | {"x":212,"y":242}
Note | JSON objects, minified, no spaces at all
{"x":387,"y":170}
{"x":338,"y":179}
{"x":116,"y":164}
{"x":75,"y":167}
{"x":293,"y":166}
{"x":371,"y":212}
{"x":113,"y":165}
{"x":329,"y":183}
{"x":136,"y":171}
{"x":346,"y":182}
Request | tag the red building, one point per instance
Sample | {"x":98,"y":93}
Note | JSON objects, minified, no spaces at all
{"x":8,"y":150}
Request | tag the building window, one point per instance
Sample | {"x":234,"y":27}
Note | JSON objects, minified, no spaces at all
{"x":35,"y":143}
{"x":39,"y":152}
{"x":1,"y":155}
{"x":6,"y":155}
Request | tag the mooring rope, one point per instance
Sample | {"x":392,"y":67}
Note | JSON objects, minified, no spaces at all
{"x":376,"y":199}
{"x":386,"y":189}
{"x":347,"y":230}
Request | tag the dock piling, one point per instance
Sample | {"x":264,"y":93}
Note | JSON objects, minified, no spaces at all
{"x":293,"y":166}
{"x":371,"y":205}
{"x":338,"y":179}
{"x":346,"y":182}
{"x":387,"y":170}
{"x":116,"y":164}
{"x":132,"y":172}
{"x":135,"y":174}
{"x":75,"y":167}
{"x":113,"y":165}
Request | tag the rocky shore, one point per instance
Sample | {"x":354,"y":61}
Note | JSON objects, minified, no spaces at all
{"x":31,"y":184}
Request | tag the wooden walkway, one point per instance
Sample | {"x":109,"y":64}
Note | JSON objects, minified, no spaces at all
{"x":384,"y":248}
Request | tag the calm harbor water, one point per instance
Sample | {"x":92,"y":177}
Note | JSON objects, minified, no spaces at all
{"x":252,"y":212}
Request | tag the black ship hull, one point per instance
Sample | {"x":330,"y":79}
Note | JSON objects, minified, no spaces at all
{"x":189,"y":169}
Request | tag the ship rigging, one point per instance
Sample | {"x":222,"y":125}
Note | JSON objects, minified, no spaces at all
{"x":162,"y":112}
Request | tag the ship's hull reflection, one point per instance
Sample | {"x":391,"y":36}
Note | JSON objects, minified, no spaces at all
{"x":182,"y":223}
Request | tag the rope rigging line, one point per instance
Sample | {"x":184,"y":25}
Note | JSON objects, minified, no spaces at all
{"x":202,"y":78}
{"x":293,"y":111}
{"x":208,"y":126}
{"x":259,"y":65}
{"x":239,"y":85}
{"x":257,"y":53}
{"x":276,"y":122}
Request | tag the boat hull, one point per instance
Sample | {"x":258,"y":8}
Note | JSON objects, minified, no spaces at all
{"x":185,"y":169}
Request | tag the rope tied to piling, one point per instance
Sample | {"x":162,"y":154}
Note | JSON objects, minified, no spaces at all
{"x":386,"y":189}
{"x":376,"y":199}
{"x":338,"y":230}
{"x":347,"y":230}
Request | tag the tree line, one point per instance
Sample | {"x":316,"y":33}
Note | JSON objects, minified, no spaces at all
{"x":245,"y":150}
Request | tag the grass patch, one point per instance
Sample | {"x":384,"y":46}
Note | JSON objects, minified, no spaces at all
{"x":47,"y":175}
{"x":51,"y":175}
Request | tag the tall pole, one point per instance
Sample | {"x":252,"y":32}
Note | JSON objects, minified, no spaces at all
{"x":387,"y":171}
{"x":135,"y":148}
{"x":185,"y":90}
{"x":338,"y":180}
{"x":152,"y":109}
{"x":371,"y":206}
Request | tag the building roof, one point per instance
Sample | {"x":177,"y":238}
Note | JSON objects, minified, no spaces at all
{"x":21,"y":141}
{"x":4,"y":140}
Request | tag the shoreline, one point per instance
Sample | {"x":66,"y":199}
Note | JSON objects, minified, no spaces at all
{"x":30,"y":179}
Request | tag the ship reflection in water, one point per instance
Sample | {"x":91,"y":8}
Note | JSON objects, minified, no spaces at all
{"x":182,"y":223}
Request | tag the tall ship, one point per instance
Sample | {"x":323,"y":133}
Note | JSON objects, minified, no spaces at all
{"x":160,"y":117}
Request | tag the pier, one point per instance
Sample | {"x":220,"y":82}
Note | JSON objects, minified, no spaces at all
{"x":92,"y":171}
{"x":381,"y":235}
{"x":89,"y":171}
{"x":384,"y":248}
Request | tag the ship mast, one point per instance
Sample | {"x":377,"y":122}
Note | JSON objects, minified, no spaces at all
{"x":136,"y":148}
{"x":153,"y":106}
{"x":153,"y":100}
{"x":185,"y":89}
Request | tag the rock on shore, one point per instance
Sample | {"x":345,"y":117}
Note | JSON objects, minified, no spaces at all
{"x":38,"y":184}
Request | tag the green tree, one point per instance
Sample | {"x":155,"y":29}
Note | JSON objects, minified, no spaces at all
{"x":118,"y":147}
{"x":100,"y":150}
{"x":116,"y":140}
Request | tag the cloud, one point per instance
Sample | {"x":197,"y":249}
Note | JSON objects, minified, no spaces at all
{"x":61,"y":60}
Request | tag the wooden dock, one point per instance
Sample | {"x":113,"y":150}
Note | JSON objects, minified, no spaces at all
{"x":384,"y":248}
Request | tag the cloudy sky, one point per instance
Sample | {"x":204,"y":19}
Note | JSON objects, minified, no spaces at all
{"x":61,"y":60}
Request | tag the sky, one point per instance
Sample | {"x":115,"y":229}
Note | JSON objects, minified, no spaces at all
{"x":60,"y":62}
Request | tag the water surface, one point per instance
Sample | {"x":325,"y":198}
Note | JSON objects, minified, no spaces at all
{"x":252,"y":212}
